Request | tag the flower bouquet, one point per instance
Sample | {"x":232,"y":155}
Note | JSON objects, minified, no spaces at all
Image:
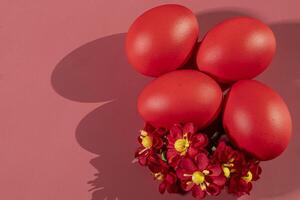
{"x":183,"y":160}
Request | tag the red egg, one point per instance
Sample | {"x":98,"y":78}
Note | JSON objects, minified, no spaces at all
{"x":161,"y":39}
{"x":179,"y":97}
{"x":237,"y":49}
{"x":257,"y":119}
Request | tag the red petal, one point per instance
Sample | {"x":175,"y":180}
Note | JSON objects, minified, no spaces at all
{"x":232,"y":185}
{"x":213,"y":190}
{"x":200,"y":140}
{"x":176,"y":131}
{"x":201,"y":161}
{"x":188,"y":165}
{"x":222,"y":145}
{"x":215,"y":170}
{"x":171,"y":153}
{"x":189,"y":128}
{"x":197,"y":192}
{"x":170,"y":178}
{"x":255,"y":170}
{"x":238,"y":186}
{"x":161,"y":132}
{"x":175,"y":162}
{"x":162,"y":187}
{"x":157,"y":142}
{"x":180,"y":174}
{"x":173,"y":157}
{"x":173,"y":188}
{"x":143,"y":160}
{"x":148,"y":128}
{"x":219,"y":180}
{"x":187,"y":187}
{"x":245,"y":186}
{"x":171,"y":142}
{"x":192,"y":152}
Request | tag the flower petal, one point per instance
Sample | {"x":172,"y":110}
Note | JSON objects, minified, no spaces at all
{"x":192,"y":152}
{"x":162,"y":187}
{"x":198,"y":193}
{"x":142,"y":160}
{"x":180,"y":174}
{"x":173,"y":157}
{"x":171,"y":153}
{"x":215,"y":170}
{"x":213,"y":190}
{"x":201,"y":161}
{"x":173,"y":188}
{"x":171,"y":142}
{"x":187,"y":185}
{"x":200,"y":140}
{"x":245,"y":186}
{"x":170,"y":178}
{"x":238,"y":186}
{"x":157,"y":142}
{"x":148,"y":128}
{"x":161,"y":132}
{"x":176,"y":131}
{"x":255,"y":170}
{"x":219,"y":180}
{"x":188,"y":165}
{"x":188,"y":128}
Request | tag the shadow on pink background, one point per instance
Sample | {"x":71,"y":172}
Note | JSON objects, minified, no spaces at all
{"x":98,"y":71}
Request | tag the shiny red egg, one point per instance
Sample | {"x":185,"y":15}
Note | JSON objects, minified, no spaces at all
{"x":180,"y":96}
{"x":257,"y":119}
{"x":236,"y":49}
{"x":161,"y":39}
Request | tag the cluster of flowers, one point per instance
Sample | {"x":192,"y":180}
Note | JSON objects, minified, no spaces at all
{"x":184,"y":160}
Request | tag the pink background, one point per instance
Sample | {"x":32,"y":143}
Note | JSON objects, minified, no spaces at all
{"x":61,"y":60}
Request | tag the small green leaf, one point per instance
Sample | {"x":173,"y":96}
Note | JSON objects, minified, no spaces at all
{"x":163,"y":156}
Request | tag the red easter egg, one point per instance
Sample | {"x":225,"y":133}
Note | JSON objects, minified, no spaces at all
{"x":239,"y":48}
{"x":257,"y":119}
{"x":161,"y":39}
{"x":179,"y":97}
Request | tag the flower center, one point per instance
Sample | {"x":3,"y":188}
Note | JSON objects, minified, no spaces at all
{"x":159,"y":176}
{"x":198,"y":177}
{"x":182,"y":145}
{"x":146,"y":139}
{"x":248,"y":178}
{"x":226,"y":171}
{"x":228,"y":168}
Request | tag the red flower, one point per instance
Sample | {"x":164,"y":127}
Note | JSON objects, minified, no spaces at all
{"x":231,"y":160}
{"x":168,"y":182}
{"x":162,"y":172}
{"x":200,"y":176}
{"x":151,"y":141}
{"x":157,"y":165}
{"x":241,"y":183}
{"x":182,"y":141}
{"x":239,"y":171}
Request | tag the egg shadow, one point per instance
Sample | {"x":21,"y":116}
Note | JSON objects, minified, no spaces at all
{"x":207,"y":20}
{"x":98,"y":71}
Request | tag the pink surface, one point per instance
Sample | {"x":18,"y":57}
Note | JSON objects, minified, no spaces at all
{"x":52,"y":124}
